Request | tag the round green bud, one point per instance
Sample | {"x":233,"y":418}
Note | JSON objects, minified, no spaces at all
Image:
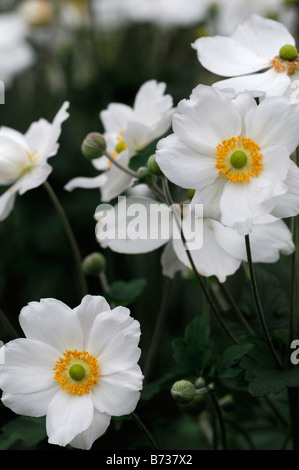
{"x":238,"y":159}
{"x":93,"y":146}
{"x":94,"y":264}
{"x":153,"y":166}
{"x":77,"y":372}
{"x":288,"y":52}
{"x":191,"y":193}
{"x":183,"y":392}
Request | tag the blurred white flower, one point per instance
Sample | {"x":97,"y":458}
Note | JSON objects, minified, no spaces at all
{"x":23,"y":158}
{"x":37,"y":12}
{"x":222,"y":250}
{"x":256,"y":45}
{"x":16,"y":54}
{"x":78,"y":367}
{"x":128,"y":130}
{"x":236,"y":154}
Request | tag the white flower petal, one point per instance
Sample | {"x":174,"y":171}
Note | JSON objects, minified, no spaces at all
{"x":287,"y":205}
{"x":184,"y":166}
{"x":7,"y":200}
{"x":98,"y":427}
{"x":67,"y":416}
{"x":28,"y":367}
{"x":206,"y":119}
{"x":226,"y":57}
{"x":270,"y":83}
{"x":262,"y":36}
{"x":82,"y":182}
{"x":117,"y":180}
{"x":90,"y":307}
{"x":274,"y":122}
{"x":34,"y":177}
{"x":210,"y":198}
{"x":113,"y":341}
{"x":135,"y":225}
{"x":118,"y":394}
{"x":54,"y":323}
{"x":116,"y":117}
{"x":29,"y":404}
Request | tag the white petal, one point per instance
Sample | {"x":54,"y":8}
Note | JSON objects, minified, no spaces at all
{"x":287,"y":205}
{"x":170,"y":262}
{"x":184,"y":166}
{"x":86,"y":183}
{"x":7,"y":200}
{"x":206,"y":119}
{"x":29,"y":404}
{"x":43,"y":136}
{"x":274,"y":122}
{"x":113,"y":341}
{"x":67,"y":416}
{"x":116,"y":117}
{"x":117,"y":180}
{"x":35,"y":177}
{"x":90,"y":307}
{"x":134,"y":225}
{"x":54,"y":323}
{"x":224,"y":56}
{"x":263,"y":36}
{"x":118,"y":394}
{"x":28,"y":367}
{"x":270,"y":83}
{"x":13,"y":156}
{"x":210,"y":198}
{"x":99,"y":425}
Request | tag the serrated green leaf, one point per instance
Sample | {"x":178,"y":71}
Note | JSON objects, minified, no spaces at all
{"x":193,"y":352}
{"x":227,"y":364}
{"x":124,"y":293}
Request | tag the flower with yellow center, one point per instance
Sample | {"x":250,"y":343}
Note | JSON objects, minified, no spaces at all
{"x":128,"y":130}
{"x":78,"y":367}
{"x":235,"y":154}
{"x":23,"y":158}
{"x":257,"y":45}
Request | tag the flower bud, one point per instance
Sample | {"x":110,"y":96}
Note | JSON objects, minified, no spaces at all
{"x":153,"y":166}
{"x":94,"y":264}
{"x":94,"y":146}
{"x":183,"y":392}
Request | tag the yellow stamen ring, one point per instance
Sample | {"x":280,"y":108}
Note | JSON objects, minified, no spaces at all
{"x":76,"y":372}
{"x":238,"y":159}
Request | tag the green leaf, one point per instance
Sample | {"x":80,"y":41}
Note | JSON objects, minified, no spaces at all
{"x":124,"y":293}
{"x":228,"y":364}
{"x":193,"y":352}
{"x":25,"y":431}
{"x":263,"y":377}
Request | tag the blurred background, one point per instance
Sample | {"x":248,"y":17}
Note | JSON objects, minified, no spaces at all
{"x":92,"y":53}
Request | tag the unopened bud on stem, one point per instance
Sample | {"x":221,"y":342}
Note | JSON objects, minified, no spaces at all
{"x":183,"y":392}
{"x":94,"y":146}
{"x":94,"y":264}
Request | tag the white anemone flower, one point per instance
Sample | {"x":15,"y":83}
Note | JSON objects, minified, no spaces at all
{"x":16,"y":54}
{"x":257,"y":45}
{"x":78,"y":367}
{"x":141,"y":225}
{"x":23,"y":158}
{"x":128,"y":130}
{"x":235,"y":154}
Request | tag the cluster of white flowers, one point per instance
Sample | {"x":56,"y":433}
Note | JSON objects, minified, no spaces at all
{"x":79,"y":367}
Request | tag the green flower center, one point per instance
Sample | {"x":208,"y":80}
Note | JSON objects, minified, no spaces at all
{"x":77,"y":372}
{"x":238,"y":159}
{"x":288,"y":52}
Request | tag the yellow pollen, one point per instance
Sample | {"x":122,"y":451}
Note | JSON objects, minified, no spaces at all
{"x":32,"y":156}
{"x":251,"y":168}
{"x":63,"y":366}
{"x":289,"y":66}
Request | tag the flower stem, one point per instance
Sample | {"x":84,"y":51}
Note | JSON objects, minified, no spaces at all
{"x":220,"y":419}
{"x":158,"y":328}
{"x":198,"y":277}
{"x":69,"y":234}
{"x":258,"y":305}
{"x":145,"y":431}
{"x":121,"y":167}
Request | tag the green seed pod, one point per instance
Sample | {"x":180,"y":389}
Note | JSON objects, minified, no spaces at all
{"x":94,"y":264}
{"x":288,"y":52}
{"x":94,"y":146}
{"x":183,"y":392}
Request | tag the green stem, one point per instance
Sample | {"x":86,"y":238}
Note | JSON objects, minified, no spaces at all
{"x":158,"y":328}
{"x":126,"y":170}
{"x":220,"y":419}
{"x":258,"y":305}
{"x":69,"y":233}
{"x":198,"y":277}
{"x":145,"y":431}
